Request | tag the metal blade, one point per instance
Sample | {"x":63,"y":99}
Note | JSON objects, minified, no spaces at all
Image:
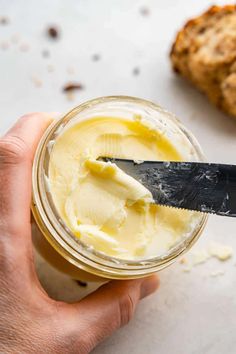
{"x":204,"y":187}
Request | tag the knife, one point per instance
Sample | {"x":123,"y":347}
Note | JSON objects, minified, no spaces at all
{"x":204,"y":187}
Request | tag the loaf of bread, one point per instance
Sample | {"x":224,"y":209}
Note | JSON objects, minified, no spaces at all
{"x":204,"y":52}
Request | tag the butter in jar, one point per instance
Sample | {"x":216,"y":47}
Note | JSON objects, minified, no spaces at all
{"x":95,"y":217}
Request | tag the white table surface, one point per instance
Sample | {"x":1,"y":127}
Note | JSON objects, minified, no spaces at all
{"x":192,"y":313}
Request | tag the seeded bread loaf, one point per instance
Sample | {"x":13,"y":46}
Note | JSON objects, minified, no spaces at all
{"x":204,"y":52}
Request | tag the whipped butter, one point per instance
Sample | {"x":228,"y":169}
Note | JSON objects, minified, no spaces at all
{"x":104,"y":207}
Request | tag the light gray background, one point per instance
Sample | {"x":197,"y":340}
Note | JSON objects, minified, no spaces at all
{"x":192,"y":313}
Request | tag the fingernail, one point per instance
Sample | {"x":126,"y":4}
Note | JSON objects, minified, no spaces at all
{"x":149,"y":285}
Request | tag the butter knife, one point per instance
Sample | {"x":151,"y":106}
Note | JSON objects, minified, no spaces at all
{"x":204,"y":187}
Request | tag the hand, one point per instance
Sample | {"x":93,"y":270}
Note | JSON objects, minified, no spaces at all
{"x":31,"y":322}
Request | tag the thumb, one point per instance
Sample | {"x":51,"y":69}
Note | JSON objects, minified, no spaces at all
{"x":107,"y":309}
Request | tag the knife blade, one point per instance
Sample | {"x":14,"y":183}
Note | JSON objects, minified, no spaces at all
{"x":204,"y":187}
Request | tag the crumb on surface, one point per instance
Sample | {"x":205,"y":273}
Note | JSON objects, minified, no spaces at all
{"x":136,"y":71}
{"x":183,"y":260}
{"x":144,"y":11}
{"x":4,"y":20}
{"x":200,"y":256}
{"x":96,"y":57}
{"x":214,"y":250}
{"x":72,"y":86}
{"x":220,"y":251}
{"x":53,"y":32}
{"x":36,"y":81}
{"x":24,"y":47}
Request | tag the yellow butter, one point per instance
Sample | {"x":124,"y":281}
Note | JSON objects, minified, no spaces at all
{"x":104,"y":207}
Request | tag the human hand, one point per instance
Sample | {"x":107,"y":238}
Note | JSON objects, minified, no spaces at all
{"x":31,"y":322}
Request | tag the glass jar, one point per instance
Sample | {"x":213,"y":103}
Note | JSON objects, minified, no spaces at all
{"x":56,"y":243}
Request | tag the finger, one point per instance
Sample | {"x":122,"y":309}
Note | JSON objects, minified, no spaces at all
{"x":110,"y":307}
{"x":17,"y":149}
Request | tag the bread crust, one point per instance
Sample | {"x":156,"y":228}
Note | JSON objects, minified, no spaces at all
{"x":204,"y":52}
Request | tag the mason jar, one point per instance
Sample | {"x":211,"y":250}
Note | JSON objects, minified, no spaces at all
{"x":51,"y":236}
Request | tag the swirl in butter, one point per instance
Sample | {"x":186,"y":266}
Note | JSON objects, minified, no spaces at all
{"x":103,"y":206}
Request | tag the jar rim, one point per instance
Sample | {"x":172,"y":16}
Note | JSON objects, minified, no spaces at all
{"x":63,"y":240}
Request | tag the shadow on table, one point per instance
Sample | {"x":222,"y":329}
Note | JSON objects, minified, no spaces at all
{"x":206,"y":113}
